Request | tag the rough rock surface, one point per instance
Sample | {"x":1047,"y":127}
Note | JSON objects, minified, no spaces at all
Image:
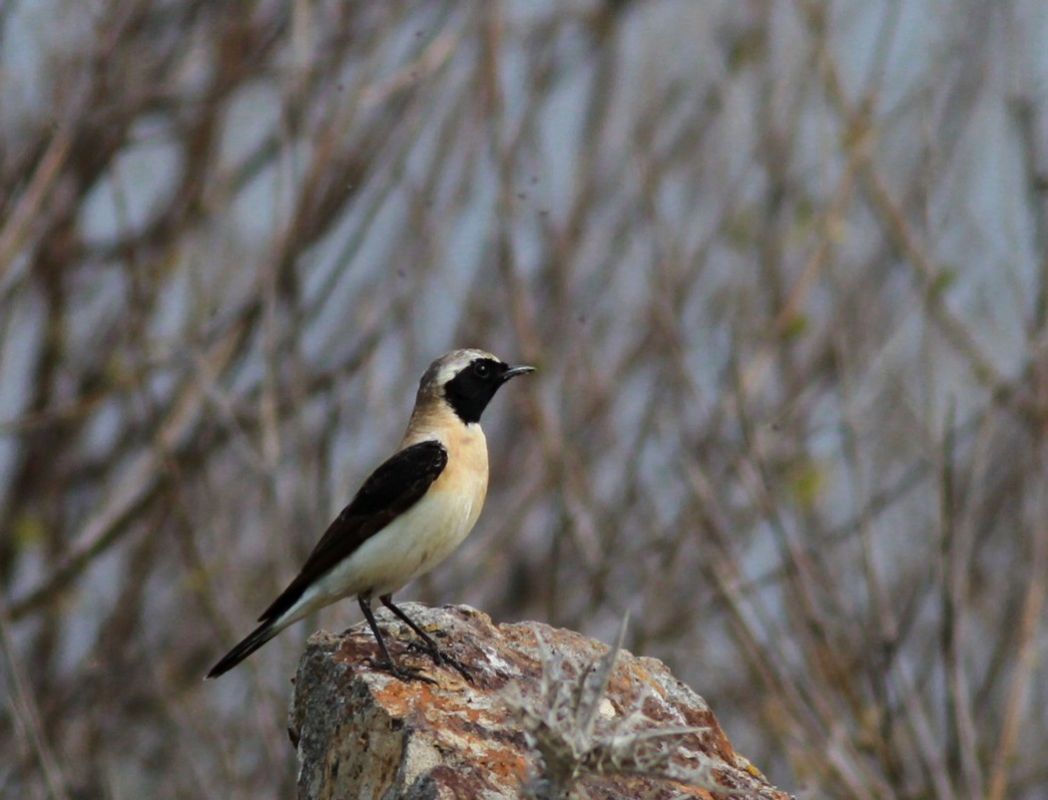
{"x":547,"y":714}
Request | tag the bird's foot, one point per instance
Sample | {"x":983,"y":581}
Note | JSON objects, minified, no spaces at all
{"x":441,"y":659}
{"x":405,"y":674}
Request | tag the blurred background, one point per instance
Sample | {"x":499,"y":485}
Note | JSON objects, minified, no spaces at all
{"x":782,"y":266}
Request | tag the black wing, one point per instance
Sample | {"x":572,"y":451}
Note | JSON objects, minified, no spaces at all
{"x":391,"y":490}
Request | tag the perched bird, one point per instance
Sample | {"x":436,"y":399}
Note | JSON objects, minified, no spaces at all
{"x":409,"y":515}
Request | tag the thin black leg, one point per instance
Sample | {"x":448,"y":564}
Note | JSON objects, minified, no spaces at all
{"x":404,"y":674}
{"x":365,"y":606}
{"x":435,"y":653}
{"x":387,"y":601}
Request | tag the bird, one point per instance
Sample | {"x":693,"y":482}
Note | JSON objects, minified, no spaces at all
{"x":407,"y":517}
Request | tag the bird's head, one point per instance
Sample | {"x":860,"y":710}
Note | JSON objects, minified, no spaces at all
{"x":466,"y":380}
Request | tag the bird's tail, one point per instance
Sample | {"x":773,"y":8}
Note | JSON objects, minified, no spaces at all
{"x":254,"y":640}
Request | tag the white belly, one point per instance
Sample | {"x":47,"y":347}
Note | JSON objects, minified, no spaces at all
{"x":410,"y":545}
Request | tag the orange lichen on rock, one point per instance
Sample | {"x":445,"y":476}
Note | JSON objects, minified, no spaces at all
{"x":361,"y":733}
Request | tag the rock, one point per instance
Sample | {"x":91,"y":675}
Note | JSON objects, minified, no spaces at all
{"x":549,"y":713}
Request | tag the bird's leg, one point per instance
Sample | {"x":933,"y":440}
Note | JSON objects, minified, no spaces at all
{"x":435,"y":653}
{"x":431,"y":646}
{"x":404,"y":673}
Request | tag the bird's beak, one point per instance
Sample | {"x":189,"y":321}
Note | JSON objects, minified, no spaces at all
{"x":513,"y":372}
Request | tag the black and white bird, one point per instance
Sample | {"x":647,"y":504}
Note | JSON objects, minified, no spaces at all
{"x":409,"y":515}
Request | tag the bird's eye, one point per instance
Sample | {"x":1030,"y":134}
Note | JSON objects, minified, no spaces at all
{"x":481,"y":369}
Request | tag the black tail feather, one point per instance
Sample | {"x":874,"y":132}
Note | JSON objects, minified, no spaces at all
{"x":258,"y":637}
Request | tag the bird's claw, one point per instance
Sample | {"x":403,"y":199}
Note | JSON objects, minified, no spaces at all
{"x":459,"y":667}
{"x":405,"y":674}
{"x":441,"y":659}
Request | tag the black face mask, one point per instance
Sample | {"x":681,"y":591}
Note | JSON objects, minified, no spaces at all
{"x":469,"y":392}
